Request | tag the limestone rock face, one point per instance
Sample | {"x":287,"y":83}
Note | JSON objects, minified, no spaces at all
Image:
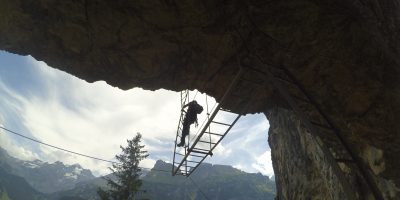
{"x":294,"y":150}
{"x":346,"y":54}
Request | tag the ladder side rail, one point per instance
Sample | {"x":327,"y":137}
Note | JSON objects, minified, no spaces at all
{"x":187,"y":152}
{"x":186,"y":164}
{"x":176,"y":138}
{"x":209,"y":127}
{"x":228,"y":91}
{"x":183,"y":100}
{"x":335,"y":167}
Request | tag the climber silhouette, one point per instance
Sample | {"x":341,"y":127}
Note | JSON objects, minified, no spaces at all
{"x":191,"y":117}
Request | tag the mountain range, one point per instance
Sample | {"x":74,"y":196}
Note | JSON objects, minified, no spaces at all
{"x":43,"y":176}
{"x":37,"y":180}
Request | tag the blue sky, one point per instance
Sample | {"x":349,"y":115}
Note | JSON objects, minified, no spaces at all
{"x":96,"y":118}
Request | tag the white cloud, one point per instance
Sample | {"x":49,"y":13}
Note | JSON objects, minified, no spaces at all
{"x":238,"y":166}
{"x":222,"y":151}
{"x":148,"y":163}
{"x":7,"y":143}
{"x":92,"y":119}
{"x":98,"y":131}
{"x":264,"y":164}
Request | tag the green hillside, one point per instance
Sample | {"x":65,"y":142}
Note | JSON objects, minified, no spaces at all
{"x":217,"y":182}
{"x":214,"y":181}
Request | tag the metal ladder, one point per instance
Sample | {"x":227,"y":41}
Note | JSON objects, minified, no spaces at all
{"x":187,"y":160}
{"x":334,"y":145}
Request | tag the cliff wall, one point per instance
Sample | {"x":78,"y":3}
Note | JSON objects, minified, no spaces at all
{"x":303,"y":169}
{"x":345,"y":53}
{"x":295,"y":151}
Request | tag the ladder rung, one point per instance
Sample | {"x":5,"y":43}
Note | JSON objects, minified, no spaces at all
{"x":199,"y":155}
{"x":180,"y":154}
{"x":192,"y":161}
{"x":200,"y":152}
{"x":207,"y":142}
{"x":206,"y":150}
{"x":221,"y":123}
{"x":213,"y":133}
{"x":196,"y":156}
{"x":191,"y":167}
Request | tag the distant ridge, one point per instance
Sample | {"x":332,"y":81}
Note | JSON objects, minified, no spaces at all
{"x":72,"y":182}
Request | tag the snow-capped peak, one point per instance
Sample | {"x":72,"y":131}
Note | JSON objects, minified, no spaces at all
{"x":33,"y":164}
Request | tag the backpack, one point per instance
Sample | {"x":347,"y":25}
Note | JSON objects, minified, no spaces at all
{"x":198,"y":108}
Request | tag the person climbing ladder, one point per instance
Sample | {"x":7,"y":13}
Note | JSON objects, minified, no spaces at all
{"x":191,"y":117}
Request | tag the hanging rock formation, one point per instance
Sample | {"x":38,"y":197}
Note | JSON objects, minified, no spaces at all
{"x":344,"y":53}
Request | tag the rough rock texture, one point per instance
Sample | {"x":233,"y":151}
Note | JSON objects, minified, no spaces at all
{"x":345,"y":53}
{"x":310,"y":176}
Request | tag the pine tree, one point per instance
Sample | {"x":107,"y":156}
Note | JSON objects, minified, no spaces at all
{"x":127,"y":183}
